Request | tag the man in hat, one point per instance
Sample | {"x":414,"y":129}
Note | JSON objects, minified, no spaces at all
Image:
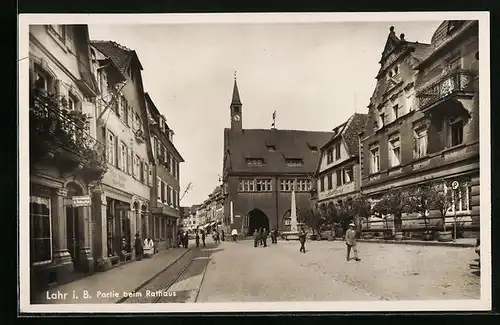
{"x":350,"y":241}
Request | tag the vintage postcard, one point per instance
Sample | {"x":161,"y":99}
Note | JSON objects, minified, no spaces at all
{"x":254,"y":162}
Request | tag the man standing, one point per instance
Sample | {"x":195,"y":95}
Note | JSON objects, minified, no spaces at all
{"x":197,"y":239}
{"x":138,"y":247}
{"x":222,"y":234}
{"x":234,"y":234}
{"x":350,"y":241}
{"x":255,"y":238}
{"x":264,"y":237}
{"x":302,"y":240}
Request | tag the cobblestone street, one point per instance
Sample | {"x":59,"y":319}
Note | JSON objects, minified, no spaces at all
{"x":240,"y":272}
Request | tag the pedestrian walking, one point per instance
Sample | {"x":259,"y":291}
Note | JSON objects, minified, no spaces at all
{"x":222,"y":234}
{"x":302,"y":240}
{"x":261,"y":236}
{"x":185,"y":240}
{"x":255,"y":238}
{"x":350,"y":241}
{"x":203,"y":237}
{"x":273,"y":236}
{"x":138,"y":247}
{"x":197,"y":239}
{"x":234,"y":234}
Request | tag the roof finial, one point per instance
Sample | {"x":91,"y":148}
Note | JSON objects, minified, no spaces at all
{"x":235,"y":75}
{"x":391,"y":29}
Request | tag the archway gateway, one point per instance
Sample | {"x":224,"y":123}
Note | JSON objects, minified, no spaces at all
{"x":256,"y":220}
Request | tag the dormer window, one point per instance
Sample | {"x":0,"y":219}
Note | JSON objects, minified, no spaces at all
{"x":255,"y":161}
{"x":294,"y":162}
{"x":313,"y":148}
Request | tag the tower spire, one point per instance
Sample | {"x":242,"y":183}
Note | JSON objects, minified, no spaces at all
{"x":236,"y":93}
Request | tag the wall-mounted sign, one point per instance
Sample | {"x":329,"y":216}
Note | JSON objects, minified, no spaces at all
{"x":81,"y":201}
{"x":454,"y":185}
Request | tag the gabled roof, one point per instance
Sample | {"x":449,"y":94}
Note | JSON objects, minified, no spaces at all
{"x":121,"y":55}
{"x":348,"y":131}
{"x":288,"y":144}
{"x":105,"y":60}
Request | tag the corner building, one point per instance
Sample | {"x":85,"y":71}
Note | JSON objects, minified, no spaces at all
{"x":260,"y":169}
{"x":423,"y":122}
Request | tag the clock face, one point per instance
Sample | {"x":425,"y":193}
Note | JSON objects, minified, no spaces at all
{"x":236,"y":117}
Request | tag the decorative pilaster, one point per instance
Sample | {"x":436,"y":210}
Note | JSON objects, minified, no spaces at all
{"x":60,"y":246}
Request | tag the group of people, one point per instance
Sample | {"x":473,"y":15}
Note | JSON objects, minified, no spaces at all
{"x":182,"y":239}
{"x":144,"y":248}
{"x":260,"y":236}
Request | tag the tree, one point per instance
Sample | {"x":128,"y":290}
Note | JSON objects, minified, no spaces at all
{"x":313,"y":220}
{"x":420,"y":201}
{"x":362,"y":207}
{"x":395,"y":203}
{"x":441,"y":201}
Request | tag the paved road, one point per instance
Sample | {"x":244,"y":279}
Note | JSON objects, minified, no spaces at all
{"x":240,"y":272}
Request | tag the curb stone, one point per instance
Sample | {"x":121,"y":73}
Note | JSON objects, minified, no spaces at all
{"x":415,"y":243}
{"x":155,"y":276}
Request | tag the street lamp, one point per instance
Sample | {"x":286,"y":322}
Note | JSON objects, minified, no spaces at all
{"x":454,"y":187}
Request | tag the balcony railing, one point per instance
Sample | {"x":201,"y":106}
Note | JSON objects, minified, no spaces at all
{"x":51,"y":122}
{"x":454,"y":82}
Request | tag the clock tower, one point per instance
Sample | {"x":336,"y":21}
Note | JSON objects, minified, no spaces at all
{"x":236,"y":120}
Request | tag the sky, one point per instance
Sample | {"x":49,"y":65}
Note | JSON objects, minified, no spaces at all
{"x":315,"y":75}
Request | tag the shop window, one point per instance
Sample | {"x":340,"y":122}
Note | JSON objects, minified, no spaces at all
{"x":41,"y":230}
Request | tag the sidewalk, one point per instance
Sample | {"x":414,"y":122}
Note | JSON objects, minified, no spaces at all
{"x":111,"y":286}
{"x":460,"y":242}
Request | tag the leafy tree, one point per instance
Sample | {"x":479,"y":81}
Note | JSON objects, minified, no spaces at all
{"x":421,"y":201}
{"x":361,"y":207}
{"x":394,"y":202}
{"x":440,"y":201}
{"x":313,"y":220}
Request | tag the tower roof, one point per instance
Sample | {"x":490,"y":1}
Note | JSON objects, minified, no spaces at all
{"x":236,"y":94}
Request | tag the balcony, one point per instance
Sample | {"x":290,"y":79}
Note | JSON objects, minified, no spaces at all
{"x":457,"y":82}
{"x":61,"y":136}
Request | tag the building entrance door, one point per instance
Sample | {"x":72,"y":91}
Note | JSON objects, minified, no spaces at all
{"x":73,"y":219}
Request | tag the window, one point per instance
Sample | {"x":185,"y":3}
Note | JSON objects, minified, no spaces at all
{"x":236,"y":109}
{"x":263,"y":185}
{"x":395,"y":111}
{"x":255,"y":161}
{"x":394,"y":151}
{"x":123,"y":157}
{"x":137,"y":122}
{"x":322,"y":184}
{"x":41,"y":230}
{"x":420,"y":143}
{"x":374,"y":159}
{"x":457,"y":132}
{"x":329,"y":179}
{"x":396,"y":70}
{"x":111,"y":152}
{"x":154,"y":147}
{"x":145,"y":172}
{"x":174,"y":198}
{"x":288,"y":221}
{"x":43,"y":81}
{"x":338,"y":173}
{"x":460,"y":198}
{"x":286,"y":185}
{"x":167,"y":158}
{"x":455,"y":63}
{"x":348,"y":174}
{"x":73,"y":102}
{"x":159,"y":190}
{"x":303,"y":185}
{"x":337,"y":151}
{"x":271,"y":147}
{"x":59,"y":30}
{"x":329,"y":155}
{"x":138,"y":168}
{"x":171,"y":165}
{"x":150,"y":176}
{"x":294,"y":162}
{"x":169,"y":195}
{"x":130,"y":165}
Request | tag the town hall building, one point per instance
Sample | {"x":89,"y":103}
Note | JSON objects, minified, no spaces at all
{"x":261,"y":167}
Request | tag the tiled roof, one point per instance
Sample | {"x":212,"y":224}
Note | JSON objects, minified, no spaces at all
{"x":117,"y":53}
{"x":349,"y":132}
{"x":288,"y":144}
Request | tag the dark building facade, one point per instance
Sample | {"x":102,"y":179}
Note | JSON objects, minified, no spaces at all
{"x":260,"y":169}
{"x":423,"y":122}
{"x":165,"y":195}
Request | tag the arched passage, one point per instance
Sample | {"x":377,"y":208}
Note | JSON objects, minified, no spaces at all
{"x":256,"y":220}
{"x":74,"y":223}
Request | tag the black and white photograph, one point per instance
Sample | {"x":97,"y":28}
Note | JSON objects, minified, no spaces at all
{"x":254,"y":162}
